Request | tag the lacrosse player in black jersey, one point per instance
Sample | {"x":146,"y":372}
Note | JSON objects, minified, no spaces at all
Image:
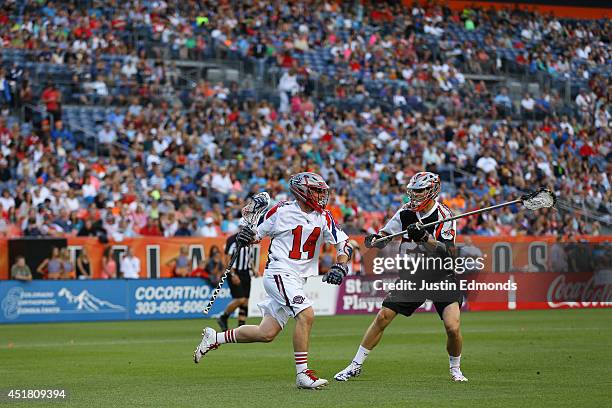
{"x":436,"y":241}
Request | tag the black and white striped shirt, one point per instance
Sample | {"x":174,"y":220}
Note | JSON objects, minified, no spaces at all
{"x":244,"y":265}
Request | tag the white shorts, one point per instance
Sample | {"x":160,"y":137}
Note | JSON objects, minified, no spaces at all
{"x":286,"y":297}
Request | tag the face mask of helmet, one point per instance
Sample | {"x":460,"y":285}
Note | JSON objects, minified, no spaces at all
{"x":319,"y":196}
{"x":419,"y":198}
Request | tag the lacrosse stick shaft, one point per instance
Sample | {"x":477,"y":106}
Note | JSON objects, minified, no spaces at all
{"x":251,"y":214}
{"x":456,"y":217}
{"x":222,"y":280}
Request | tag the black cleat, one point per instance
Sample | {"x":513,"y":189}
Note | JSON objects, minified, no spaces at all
{"x":222,"y":320}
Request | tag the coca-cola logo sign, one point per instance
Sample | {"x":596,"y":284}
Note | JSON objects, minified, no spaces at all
{"x":564,"y":293}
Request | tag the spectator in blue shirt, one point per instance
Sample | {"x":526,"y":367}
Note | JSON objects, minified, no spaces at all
{"x":183,"y":229}
{"x":502,"y":99}
{"x":61,"y":132}
{"x":173,"y":178}
{"x":116,"y":118}
{"x":188,"y":185}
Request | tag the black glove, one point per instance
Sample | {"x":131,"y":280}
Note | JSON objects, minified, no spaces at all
{"x":336,"y":273}
{"x":380,"y":244}
{"x":245,"y":237}
{"x":416,"y":233}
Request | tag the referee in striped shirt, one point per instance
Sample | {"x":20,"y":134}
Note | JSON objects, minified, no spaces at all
{"x":239,"y":282}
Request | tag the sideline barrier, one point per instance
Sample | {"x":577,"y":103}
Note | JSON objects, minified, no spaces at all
{"x":544,"y":290}
{"x":90,"y":300}
{"x":66,"y":301}
{"x":358,"y":295}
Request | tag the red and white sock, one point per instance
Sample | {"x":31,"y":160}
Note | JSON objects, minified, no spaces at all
{"x":301,"y":361}
{"x":228,"y":336}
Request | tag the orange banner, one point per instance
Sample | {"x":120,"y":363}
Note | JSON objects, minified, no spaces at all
{"x":503,"y":253}
{"x":155,"y":253}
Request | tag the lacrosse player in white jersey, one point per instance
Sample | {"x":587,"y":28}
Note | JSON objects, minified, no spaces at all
{"x":297,"y":230}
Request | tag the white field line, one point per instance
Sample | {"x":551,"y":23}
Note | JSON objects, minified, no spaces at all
{"x":194,"y":339}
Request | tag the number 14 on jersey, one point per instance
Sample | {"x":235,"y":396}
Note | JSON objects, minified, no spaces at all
{"x":310,"y":245}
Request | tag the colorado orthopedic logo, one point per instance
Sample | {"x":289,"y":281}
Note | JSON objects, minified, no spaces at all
{"x":172,"y":292}
{"x":411,"y":264}
{"x":19,"y":302}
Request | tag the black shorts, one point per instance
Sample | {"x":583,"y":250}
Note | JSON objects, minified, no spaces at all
{"x":406,"y":303}
{"x":408,"y":308}
{"x":241,"y":290}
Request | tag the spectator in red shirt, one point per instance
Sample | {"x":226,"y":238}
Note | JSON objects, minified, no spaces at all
{"x":286,"y":60}
{"x":82,"y":32}
{"x":200,"y":271}
{"x":151,"y":229}
{"x":52,"y":97}
{"x":5,"y":134}
{"x":586,"y":150}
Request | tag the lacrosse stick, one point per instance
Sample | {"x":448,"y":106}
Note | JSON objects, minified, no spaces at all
{"x":542,"y":198}
{"x":250,"y":214}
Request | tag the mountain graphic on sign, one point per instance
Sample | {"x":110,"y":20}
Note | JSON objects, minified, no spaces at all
{"x":88,"y":302}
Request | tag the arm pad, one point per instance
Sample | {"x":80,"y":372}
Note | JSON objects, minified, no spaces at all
{"x":344,"y":248}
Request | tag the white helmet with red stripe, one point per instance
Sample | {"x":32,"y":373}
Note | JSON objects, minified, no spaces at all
{"x":311,"y":189}
{"x":422,"y":188}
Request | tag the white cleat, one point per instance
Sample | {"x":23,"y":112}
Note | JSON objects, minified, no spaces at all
{"x":457,"y":375}
{"x":353,"y":370}
{"x":208,"y":343}
{"x":308,"y":380}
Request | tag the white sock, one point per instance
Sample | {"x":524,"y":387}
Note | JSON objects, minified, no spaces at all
{"x":228,"y":336}
{"x":301,"y":361}
{"x":454,"y":362}
{"x":362,"y":354}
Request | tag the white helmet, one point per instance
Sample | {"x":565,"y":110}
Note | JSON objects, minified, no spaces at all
{"x":311,"y":189}
{"x":422,"y":188}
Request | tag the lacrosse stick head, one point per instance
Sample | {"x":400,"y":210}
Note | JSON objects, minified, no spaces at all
{"x":255,"y":208}
{"x":543,"y":198}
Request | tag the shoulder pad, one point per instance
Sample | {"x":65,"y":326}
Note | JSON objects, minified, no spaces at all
{"x":275,"y":208}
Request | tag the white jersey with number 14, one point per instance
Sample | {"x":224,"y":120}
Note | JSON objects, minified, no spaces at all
{"x":297,"y":237}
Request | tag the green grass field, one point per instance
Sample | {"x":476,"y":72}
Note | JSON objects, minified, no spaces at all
{"x":559,"y":358}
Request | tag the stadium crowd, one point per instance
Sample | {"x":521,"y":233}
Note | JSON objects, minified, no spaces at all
{"x":370,"y":38}
{"x":179,"y":162}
